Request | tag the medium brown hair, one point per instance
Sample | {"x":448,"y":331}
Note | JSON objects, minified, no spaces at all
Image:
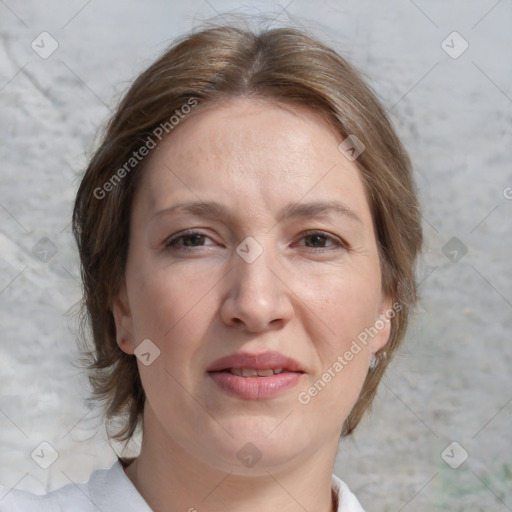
{"x":280,"y":64}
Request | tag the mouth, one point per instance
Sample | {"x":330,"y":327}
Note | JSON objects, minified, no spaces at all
{"x":252,"y":372}
{"x":261,"y":363}
{"x":255,"y":376}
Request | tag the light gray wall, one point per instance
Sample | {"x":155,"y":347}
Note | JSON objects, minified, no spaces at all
{"x":451,"y":381}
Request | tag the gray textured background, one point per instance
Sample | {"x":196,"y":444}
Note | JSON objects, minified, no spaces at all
{"x":452,"y":380}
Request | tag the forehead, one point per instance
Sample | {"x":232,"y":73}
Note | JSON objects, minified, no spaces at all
{"x":253,"y":154}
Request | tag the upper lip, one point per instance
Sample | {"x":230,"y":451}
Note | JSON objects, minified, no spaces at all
{"x":263,"y":361}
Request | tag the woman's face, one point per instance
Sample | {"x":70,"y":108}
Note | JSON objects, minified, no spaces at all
{"x":252,"y":250}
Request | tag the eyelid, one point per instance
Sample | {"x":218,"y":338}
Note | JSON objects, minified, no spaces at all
{"x":169,"y":242}
{"x":338,"y":242}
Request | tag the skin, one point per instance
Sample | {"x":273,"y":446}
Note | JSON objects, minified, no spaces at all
{"x":197,"y":300}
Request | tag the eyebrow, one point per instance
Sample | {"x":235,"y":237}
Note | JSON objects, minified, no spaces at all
{"x":291,"y":211}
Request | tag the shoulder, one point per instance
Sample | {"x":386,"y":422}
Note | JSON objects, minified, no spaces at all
{"x":108,"y":489}
{"x":347,"y":502}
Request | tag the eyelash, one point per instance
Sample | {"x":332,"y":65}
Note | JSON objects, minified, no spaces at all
{"x":172,"y":243}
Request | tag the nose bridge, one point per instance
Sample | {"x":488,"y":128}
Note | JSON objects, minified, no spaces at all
{"x":252,"y":261}
{"x":255,"y":297}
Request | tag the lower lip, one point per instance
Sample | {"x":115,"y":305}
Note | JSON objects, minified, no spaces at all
{"x":255,"y":388}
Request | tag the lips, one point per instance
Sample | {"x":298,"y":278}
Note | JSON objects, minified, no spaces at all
{"x":255,"y":376}
{"x":251,"y":372}
{"x":259,"y":362}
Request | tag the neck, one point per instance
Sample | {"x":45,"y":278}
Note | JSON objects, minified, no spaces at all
{"x":172,"y":480}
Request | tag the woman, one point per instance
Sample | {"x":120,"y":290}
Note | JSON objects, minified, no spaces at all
{"x":247,"y":231}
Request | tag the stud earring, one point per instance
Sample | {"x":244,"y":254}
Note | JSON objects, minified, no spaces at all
{"x":375,"y":360}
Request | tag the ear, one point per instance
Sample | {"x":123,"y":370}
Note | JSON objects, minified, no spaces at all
{"x":387,"y":310}
{"x":124,"y":322}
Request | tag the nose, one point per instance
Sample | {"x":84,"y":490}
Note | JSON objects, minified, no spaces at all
{"x":257,"y":297}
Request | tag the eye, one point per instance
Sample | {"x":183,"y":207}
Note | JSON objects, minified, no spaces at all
{"x":312,"y":240}
{"x":188,"y":240}
{"x":321,"y":241}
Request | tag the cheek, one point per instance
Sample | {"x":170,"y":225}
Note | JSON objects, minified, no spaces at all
{"x":341,"y":307}
{"x":344,"y":301}
{"x":173,"y":310}
{"x":170,"y":305}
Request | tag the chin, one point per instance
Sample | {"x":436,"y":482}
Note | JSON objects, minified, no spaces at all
{"x":258,"y":446}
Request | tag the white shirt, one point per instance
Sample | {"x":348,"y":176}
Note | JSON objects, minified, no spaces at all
{"x":110,"y":490}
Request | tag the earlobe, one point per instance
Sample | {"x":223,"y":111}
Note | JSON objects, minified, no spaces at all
{"x":123,"y":320}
